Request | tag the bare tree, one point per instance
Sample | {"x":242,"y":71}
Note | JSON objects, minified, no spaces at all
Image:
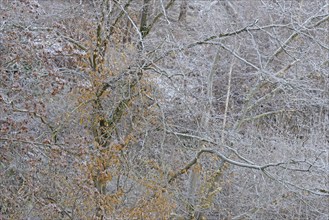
{"x":115,"y":110}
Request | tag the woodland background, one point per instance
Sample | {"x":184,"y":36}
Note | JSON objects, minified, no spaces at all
{"x":164,"y":109}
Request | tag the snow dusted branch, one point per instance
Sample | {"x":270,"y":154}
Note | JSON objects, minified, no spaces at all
{"x":247,"y":164}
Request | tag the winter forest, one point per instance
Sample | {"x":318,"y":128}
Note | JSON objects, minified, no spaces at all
{"x":164,"y":109}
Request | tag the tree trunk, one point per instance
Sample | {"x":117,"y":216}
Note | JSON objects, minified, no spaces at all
{"x":183,"y":11}
{"x":143,"y":25}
